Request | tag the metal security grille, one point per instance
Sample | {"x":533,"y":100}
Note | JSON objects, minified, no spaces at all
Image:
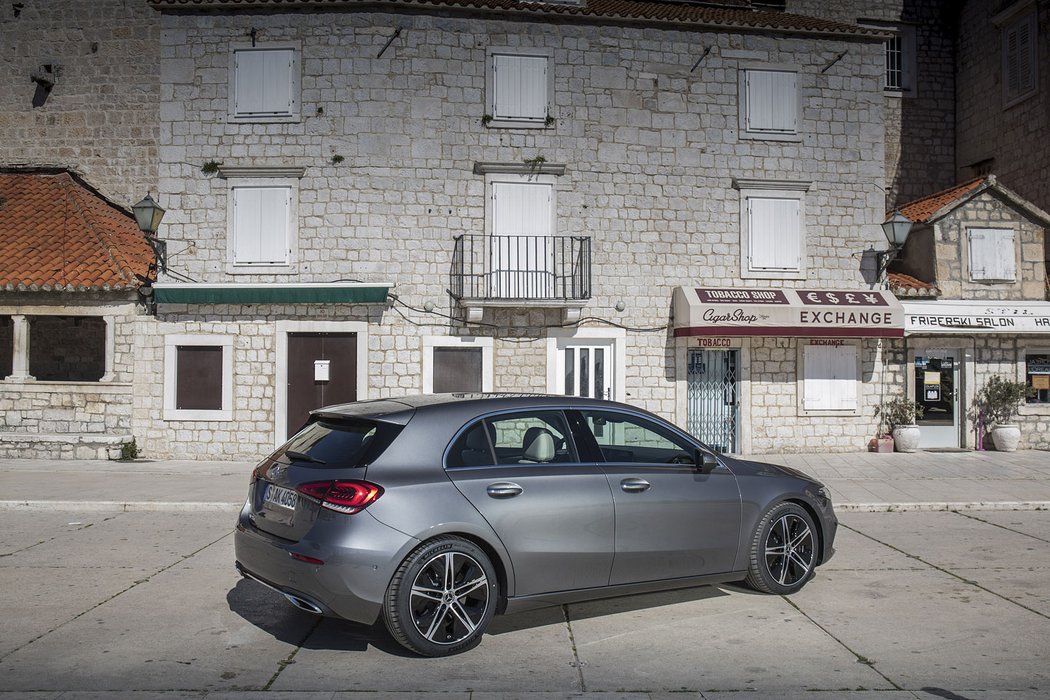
{"x":713,"y":391}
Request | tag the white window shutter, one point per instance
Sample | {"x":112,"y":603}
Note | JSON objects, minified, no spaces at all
{"x":772,"y":101}
{"x":844,"y":377}
{"x":992,"y":255}
{"x":261,"y":225}
{"x":774,"y":234}
{"x":520,"y":84}
{"x":1005,"y":255}
{"x":980,"y":262}
{"x":521,"y":209}
{"x":264,"y":83}
{"x":814,"y":383}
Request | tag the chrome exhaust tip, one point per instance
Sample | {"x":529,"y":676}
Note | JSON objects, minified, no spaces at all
{"x":303,"y":604}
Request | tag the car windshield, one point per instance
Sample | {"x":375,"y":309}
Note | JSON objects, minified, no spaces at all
{"x":338,"y":444}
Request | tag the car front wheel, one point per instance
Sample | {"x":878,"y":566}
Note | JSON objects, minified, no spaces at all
{"x":442,"y":597}
{"x":783,"y":550}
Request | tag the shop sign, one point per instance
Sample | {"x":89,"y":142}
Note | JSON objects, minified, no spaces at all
{"x":786,"y":312}
{"x":714,"y":342}
{"x":976,"y":317}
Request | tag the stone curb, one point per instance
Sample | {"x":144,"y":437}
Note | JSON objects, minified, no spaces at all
{"x":121,"y":506}
{"x":219,"y":506}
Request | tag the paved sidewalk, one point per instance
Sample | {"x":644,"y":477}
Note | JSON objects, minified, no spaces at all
{"x":859,"y":481}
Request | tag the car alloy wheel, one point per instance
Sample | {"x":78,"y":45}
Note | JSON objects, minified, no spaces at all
{"x":783,"y":550}
{"x":442,"y":597}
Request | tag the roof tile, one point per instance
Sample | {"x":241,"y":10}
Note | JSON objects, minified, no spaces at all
{"x":920,"y":210}
{"x":57,"y":234}
{"x":678,"y":13}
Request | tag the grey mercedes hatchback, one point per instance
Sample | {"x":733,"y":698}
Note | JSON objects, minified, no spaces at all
{"x":437,"y":512}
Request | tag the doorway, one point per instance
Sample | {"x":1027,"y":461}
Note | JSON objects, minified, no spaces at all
{"x":322,"y":370}
{"x":713,"y":397}
{"x":937,"y":391}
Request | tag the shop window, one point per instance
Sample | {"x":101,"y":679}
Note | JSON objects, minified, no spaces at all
{"x":830,"y":378}
{"x":519,"y":88}
{"x":457,"y":365}
{"x":770,"y":103}
{"x":1020,"y":65}
{"x":992,"y":255}
{"x":263,"y":224}
{"x":67,"y":348}
{"x":7,"y":346}
{"x":1037,"y":376}
{"x":198,"y":377}
{"x":264,"y":83}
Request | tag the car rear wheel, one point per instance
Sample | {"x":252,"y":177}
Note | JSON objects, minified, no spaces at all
{"x":442,"y":597}
{"x":783,"y":550}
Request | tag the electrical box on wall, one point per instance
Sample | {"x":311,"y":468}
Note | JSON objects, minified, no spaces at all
{"x":322,"y":370}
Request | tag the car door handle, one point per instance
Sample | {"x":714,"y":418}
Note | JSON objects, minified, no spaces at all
{"x":634,"y":485}
{"x":504,"y":489}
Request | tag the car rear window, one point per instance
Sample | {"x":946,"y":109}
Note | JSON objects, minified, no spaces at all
{"x":338,"y":444}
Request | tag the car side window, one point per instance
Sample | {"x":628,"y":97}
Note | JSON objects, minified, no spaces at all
{"x":472,"y":449}
{"x":627,"y":438}
{"x":532,"y":437}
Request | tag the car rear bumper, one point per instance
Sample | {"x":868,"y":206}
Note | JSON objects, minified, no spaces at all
{"x":359,"y":555}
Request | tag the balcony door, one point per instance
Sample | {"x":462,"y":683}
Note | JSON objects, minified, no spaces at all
{"x":522,"y":246}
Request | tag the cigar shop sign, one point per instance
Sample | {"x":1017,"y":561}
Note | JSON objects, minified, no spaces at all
{"x":969,"y":317}
{"x":707,"y":311}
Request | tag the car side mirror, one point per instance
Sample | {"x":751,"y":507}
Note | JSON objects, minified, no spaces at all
{"x":705,"y":461}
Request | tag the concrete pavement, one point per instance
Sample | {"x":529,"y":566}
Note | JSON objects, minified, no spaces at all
{"x":860,"y":481}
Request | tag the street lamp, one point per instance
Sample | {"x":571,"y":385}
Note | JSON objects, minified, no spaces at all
{"x":148,"y":215}
{"x":896,"y":229}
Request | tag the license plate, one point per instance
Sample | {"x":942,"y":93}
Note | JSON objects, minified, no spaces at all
{"x":280,"y":497}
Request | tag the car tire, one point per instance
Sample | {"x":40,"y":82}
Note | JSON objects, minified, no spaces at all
{"x":442,"y":597}
{"x":783,"y":551}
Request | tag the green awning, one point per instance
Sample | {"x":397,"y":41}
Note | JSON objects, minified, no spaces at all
{"x":332,"y":293}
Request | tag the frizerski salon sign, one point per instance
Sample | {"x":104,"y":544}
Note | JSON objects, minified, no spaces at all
{"x":786,"y":312}
{"x":977,"y":317}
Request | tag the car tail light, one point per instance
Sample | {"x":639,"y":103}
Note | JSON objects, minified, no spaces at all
{"x":260,"y":471}
{"x":342,"y":496}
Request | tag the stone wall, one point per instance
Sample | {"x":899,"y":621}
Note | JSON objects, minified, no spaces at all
{"x":1005,"y":357}
{"x":101,"y":116}
{"x":1016,"y":138}
{"x":989,"y":210}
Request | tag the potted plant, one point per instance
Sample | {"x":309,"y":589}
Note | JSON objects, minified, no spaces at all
{"x":996,"y":404}
{"x":899,"y":415}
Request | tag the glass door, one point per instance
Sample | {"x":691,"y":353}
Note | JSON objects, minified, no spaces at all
{"x":936,"y":390}
{"x":588,"y":371}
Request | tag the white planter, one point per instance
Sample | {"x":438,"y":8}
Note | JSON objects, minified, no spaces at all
{"x":1006,"y":438}
{"x":906,"y":438}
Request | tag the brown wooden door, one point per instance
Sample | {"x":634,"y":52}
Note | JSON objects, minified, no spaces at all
{"x":305,"y":392}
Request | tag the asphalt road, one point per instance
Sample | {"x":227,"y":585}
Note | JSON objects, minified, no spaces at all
{"x":918,"y":604}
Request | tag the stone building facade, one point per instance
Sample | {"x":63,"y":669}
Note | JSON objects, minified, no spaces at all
{"x":648,"y":163}
{"x":1003,"y":96}
{"x":100,"y":115}
{"x":979,"y":250}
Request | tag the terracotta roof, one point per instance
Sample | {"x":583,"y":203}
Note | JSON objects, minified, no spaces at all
{"x":58,"y":234}
{"x":907,"y":286}
{"x":682,"y":15}
{"x":921,"y":210}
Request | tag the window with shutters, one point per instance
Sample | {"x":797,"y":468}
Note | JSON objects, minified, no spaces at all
{"x":769,"y":103}
{"x":1020,"y":65}
{"x":773,"y":236}
{"x":992,"y":255}
{"x":519,"y":85}
{"x":264,"y":82}
{"x":263,"y":224}
{"x":830,"y":379}
{"x":198,"y":377}
{"x":456,"y":364}
{"x":522,"y":245}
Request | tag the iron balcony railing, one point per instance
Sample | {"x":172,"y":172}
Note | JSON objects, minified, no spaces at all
{"x":556,"y":268}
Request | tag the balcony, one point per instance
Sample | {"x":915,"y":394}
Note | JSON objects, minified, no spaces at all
{"x":521,"y":271}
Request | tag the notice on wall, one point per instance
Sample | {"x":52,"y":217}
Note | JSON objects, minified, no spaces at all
{"x":932,"y":393}
{"x":931,"y":378}
{"x":1041,"y":382}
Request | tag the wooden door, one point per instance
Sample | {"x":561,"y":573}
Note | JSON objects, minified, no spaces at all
{"x":306,"y":389}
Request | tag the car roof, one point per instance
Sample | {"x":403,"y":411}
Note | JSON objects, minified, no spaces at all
{"x":400,"y":409}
